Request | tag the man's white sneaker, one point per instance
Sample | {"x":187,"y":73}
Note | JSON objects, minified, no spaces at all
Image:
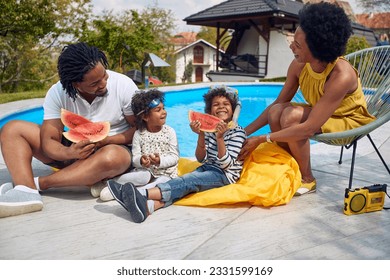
{"x":15,"y":202}
{"x":6,"y":187}
{"x":97,"y":188}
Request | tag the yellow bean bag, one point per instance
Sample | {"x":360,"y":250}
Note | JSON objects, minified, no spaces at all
{"x":270,"y":177}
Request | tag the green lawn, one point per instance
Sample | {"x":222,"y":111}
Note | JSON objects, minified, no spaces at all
{"x":10,"y":97}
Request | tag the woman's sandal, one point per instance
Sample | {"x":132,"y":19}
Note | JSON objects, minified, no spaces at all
{"x":306,"y":188}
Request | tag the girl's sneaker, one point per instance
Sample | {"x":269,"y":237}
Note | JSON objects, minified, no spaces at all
{"x":106,"y":195}
{"x":97,"y":188}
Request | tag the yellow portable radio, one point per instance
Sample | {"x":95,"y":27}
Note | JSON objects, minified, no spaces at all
{"x":366,"y":199}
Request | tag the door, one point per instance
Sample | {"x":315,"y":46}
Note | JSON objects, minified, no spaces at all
{"x":199,"y":74}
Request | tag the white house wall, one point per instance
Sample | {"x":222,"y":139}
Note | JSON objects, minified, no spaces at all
{"x":249,"y":42}
{"x":280,"y":54}
{"x":187,"y":54}
{"x":180,"y":66}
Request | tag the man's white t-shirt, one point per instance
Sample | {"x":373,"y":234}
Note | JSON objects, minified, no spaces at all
{"x":112,"y":107}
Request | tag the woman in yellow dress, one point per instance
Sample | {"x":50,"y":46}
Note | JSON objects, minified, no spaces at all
{"x":329,"y":83}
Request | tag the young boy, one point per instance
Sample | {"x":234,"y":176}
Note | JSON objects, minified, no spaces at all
{"x":217,"y":151}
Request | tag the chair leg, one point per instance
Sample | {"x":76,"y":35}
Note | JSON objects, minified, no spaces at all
{"x":341,"y":155}
{"x":378,"y":153}
{"x":352,"y":164}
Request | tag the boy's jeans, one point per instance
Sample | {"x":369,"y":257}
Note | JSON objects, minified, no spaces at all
{"x":205,"y":177}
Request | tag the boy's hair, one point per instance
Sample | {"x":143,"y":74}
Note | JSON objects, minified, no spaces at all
{"x":75,"y":61}
{"x":140,"y":104}
{"x":327,"y":29}
{"x":229,"y":93}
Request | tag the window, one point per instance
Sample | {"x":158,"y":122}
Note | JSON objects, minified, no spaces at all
{"x":198,"y":54}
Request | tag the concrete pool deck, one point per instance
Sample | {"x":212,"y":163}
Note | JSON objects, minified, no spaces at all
{"x":75,"y":226}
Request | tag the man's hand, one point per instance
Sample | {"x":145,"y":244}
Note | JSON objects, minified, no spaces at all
{"x":102,"y":143}
{"x":82,"y":149}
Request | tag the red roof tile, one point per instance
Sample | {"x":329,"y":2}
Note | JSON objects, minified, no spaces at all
{"x":374,"y":21}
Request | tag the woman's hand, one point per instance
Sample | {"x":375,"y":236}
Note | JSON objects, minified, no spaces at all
{"x":250,"y":145}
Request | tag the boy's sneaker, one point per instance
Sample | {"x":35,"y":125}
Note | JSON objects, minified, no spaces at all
{"x":106,"y":195}
{"x":130,"y":199}
{"x":116,"y":191}
{"x":135,"y":203}
{"x":15,"y":202}
{"x":6,"y":187}
{"x":97,"y":188}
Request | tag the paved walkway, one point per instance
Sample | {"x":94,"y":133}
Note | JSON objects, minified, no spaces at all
{"x":75,"y":226}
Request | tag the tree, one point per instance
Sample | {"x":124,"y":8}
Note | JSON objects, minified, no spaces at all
{"x":26,"y":17}
{"x":187,"y":75}
{"x":127,"y":36}
{"x":30,"y":36}
{"x":32,"y":33}
{"x":374,"y":5}
{"x":356,"y":43}
{"x":124,"y":38}
{"x":209,"y":34}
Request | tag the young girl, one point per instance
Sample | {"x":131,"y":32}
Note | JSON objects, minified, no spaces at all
{"x":217,"y":151}
{"x":154,"y":148}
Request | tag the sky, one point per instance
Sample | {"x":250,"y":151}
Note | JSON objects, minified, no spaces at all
{"x":180,"y":8}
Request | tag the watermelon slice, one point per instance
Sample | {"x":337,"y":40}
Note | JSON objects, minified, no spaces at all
{"x":208,"y":123}
{"x":94,"y":132}
{"x":81,"y":128}
{"x":71,"y":120}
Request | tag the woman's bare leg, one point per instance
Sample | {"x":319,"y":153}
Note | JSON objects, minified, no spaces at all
{"x":300,"y":150}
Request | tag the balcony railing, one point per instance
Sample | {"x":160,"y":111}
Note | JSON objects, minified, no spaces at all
{"x":244,"y":63}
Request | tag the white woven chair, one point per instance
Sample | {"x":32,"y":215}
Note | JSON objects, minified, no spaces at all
{"x":373,"y":65}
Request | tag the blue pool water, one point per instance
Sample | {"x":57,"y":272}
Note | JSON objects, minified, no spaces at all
{"x":254,"y":99}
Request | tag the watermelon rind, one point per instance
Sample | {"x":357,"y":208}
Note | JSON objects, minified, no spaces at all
{"x":208,"y":123}
{"x":74,"y":136}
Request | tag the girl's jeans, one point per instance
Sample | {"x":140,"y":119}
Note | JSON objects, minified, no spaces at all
{"x":203,"y":178}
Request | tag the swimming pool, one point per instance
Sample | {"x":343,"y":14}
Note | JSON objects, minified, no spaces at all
{"x":254,"y":98}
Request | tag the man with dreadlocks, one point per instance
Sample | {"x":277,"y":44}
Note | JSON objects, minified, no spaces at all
{"x":86,"y":88}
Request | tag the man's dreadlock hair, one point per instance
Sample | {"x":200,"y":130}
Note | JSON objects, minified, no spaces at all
{"x":75,"y":61}
{"x":140,"y":104}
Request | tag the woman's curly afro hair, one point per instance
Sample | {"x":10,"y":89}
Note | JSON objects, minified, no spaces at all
{"x":327,"y":29}
{"x":140,"y":104}
{"x":220,"y":91}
